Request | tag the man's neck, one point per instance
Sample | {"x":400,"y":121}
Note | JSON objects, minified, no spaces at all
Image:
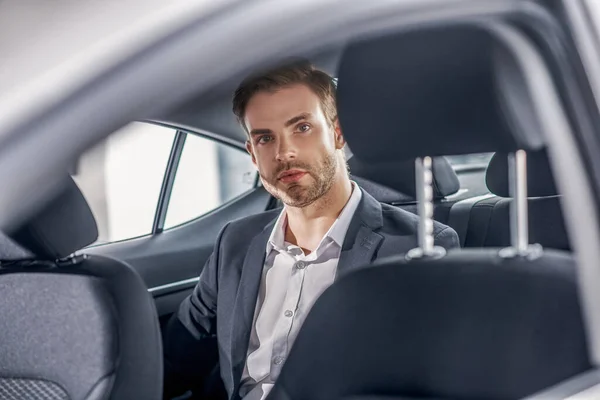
{"x":306,"y":226}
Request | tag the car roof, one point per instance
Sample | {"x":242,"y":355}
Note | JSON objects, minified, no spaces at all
{"x":51,"y":48}
{"x":212,"y":114}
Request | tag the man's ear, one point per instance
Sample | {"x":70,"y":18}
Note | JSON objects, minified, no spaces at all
{"x":250,"y":151}
{"x":340,"y":141}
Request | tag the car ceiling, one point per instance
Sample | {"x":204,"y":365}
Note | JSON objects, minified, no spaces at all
{"x":211,"y":114}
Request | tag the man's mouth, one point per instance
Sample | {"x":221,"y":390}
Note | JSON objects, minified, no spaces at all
{"x":292,"y":175}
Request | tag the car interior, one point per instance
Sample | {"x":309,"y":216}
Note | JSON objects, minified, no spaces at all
{"x":524,"y":304}
{"x":499,"y":318}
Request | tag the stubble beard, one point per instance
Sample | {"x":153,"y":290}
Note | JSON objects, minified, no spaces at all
{"x":300,"y":196}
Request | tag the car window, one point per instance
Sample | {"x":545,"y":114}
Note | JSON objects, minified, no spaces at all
{"x":209,"y":175}
{"x":121,"y":179}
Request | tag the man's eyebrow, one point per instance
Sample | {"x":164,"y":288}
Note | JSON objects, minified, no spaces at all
{"x":289,"y":122}
{"x":260,"y":132}
{"x":297,"y":118}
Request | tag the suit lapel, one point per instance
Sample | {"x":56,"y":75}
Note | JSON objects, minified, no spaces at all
{"x":360,"y":245}
{"x":361,"y":241}
{"x":245,"y":301}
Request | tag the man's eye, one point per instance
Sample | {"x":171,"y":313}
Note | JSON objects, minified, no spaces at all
{"x":264,"y":139}
{"x":304,"y":127}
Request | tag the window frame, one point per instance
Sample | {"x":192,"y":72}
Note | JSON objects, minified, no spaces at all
{"x":162,"y":205}
{"x":166,"y":189}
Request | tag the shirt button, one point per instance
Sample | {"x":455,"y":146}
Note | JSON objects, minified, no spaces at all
{"x":278,"y":360}
{"x":288,"y":313}
{"x":300,"y":265}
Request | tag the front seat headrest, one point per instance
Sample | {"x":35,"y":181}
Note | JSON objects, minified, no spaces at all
{"x":62,"y":226}
{"x":540,"y":182}
{"x":400,"y":176}
{"x":436,"y":92}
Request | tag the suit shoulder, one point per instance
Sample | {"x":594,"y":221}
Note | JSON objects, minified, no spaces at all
{"x":253,"y":223}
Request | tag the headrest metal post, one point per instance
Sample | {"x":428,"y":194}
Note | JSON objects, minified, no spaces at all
{"x":424,"y":180}
{"x":519,"y":217}
{"x":517,"y":167}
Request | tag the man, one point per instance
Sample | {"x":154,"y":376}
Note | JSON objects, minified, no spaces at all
{"x":267,"y":270}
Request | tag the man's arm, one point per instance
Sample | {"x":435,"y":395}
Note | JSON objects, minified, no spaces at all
{"x":190,"y":348}
{"x":447,"y":238}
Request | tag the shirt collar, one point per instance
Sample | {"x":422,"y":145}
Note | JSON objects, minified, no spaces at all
{"x":337,"y":232}
{"x":277,"y":238}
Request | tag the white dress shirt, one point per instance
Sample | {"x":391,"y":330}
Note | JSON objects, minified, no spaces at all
{"x":291,"y":282}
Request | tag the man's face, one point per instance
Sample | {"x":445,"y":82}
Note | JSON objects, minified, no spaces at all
{"x":294,"y":146}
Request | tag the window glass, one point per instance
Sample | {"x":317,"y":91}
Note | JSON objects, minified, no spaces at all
{"x":209,"y":174}
{"x":121,"y":179}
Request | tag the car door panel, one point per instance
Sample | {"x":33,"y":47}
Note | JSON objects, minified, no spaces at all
{"x":171,"y":261}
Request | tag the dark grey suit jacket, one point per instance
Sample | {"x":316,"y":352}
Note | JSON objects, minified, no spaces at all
{"x":224,"y":300}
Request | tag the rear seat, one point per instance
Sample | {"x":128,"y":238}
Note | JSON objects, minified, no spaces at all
{"x":485,"y":221}
{"x":378,"y":181}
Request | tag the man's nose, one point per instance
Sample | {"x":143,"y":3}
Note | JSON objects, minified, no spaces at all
{"x":285,"y":151}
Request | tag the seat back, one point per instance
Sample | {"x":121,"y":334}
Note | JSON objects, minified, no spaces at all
{"x":489,"y":218}
{"x":470,"y":326}
{"x":394,"y":183}
{"x":74,"y":327}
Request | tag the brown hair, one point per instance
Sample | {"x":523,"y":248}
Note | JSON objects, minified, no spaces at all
{"x":300,"y":72}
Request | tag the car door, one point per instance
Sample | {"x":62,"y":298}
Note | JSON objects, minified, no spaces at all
{"x":160,"y":196}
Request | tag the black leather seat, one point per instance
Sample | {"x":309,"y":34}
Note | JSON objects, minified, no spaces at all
{"x":473,"y":324}
{"x":487,"y":221}
{"x":79,"y":327}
